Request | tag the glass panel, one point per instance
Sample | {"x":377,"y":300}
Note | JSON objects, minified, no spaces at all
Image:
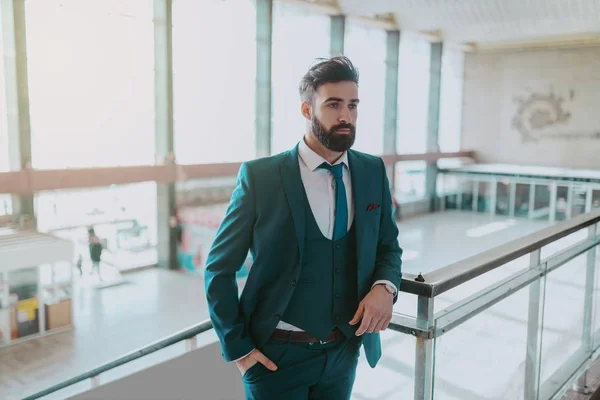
{"x":522,"y":194}
{"x":123,"y":217}
{"x":295,"y":49}
{"x":562,"y":195}
{"x":91,"y":88}
{"x":561,"y":244}
{"x":451,"y":95}
{"x":475,"y":285}
{"x":371,"y":65}
{"x":596,"y":315}
{"x":578,"y":201}
{"x":541,"y":208}
{"x":413,"y":94}
{"x":503,"y":197}
{"x":410,"y":180}
{"x":394,"y":376}
{"x":214,"y":64}
{"x":5,"y":204}
{"x":596,"y":199}
{"x":484,"y":197}
{"x":458,"y":191}
{"x":485,"y":356}
{"x":563,"y":315}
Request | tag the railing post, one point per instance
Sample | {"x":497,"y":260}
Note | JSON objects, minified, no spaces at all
{"x":475,"y":195}
{"x":587,"y":339}
{"x":531,"y":200}
{"x":553,"y":194}
{"x":424,"y":357}
{"x":535,"y":316}
{"x":512,"y":200}
{"x":191,"y":344}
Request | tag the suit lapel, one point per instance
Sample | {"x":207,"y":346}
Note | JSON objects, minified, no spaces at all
{"x":359,"y":185}
{"x":294,"y":192}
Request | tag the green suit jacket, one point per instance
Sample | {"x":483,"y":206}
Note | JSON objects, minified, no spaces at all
{"x":266,"y":215}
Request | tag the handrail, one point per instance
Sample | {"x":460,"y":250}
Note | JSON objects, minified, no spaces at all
{"x":446,"y":278}
{"x":134,"y":355}
{"x":30,"y":180}
{"x":187,"y":333}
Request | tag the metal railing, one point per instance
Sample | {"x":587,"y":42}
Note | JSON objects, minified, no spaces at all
{"x":189,"y":335}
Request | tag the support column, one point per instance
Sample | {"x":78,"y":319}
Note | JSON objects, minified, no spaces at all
{"x":390,"y":129}
{"x":163,"y":129}
{"x":424,"y":351}
{"x":14,"y":36}
{"x":435,"y":79}
{"x":264,"y":48}
{"x":337,"y":35}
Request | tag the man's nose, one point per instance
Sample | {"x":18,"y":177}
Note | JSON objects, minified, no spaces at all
{"x":345,"y":116}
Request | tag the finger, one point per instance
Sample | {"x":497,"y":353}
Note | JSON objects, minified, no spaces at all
{"x":261,"y":358}
{"x":374,"y":322}
{"x":387,"y":324}
{"x":358,"y":315}
{"x":364,"y":326}
{"x":379,"y":326}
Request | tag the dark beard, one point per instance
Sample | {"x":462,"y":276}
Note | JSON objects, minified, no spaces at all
{"x":333,"y":141}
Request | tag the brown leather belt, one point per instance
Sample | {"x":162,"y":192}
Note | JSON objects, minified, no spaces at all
{"x":303,"y":337}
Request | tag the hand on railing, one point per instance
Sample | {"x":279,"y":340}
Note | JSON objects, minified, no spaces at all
{"x":254,"y":358}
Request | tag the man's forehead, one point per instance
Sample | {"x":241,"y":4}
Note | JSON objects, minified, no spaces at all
{"x":346,"y":90}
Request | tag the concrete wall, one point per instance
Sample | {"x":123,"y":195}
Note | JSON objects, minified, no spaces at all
{"x":537,"y":107}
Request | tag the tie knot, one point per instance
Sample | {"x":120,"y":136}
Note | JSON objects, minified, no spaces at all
{"x":336,"y":170}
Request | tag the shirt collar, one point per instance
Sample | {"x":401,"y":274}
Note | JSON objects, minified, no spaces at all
{"x":313,"y":160}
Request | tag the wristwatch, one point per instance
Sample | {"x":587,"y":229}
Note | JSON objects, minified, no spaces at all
{"x":389,"y":288}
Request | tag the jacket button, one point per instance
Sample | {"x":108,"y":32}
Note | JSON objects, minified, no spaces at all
{"x":337,"y":295}
{"x":337,"y":246}
{"x":277,"y":317}
{"x":294,"y":282}
{"x":337,"y":270}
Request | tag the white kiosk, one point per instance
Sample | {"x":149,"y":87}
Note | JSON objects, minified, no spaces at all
{"x":36,"y":284}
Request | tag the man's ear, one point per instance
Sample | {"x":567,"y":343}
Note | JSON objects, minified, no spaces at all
{"x":306,"y":110}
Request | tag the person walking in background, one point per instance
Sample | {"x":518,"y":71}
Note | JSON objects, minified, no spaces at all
{"x":95,"y":246}
{"x":326,"y":260}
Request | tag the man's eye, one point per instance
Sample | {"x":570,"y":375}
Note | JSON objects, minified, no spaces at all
{"x":333,"y":105}
{"x":353,"y":106}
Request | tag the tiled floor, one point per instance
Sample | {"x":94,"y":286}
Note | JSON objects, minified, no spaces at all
{"x":155,"y":303}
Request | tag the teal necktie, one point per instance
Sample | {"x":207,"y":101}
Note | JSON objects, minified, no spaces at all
{"x":340,"y":226}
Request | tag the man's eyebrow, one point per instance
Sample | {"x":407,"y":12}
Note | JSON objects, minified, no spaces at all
{"x":332,"y":99}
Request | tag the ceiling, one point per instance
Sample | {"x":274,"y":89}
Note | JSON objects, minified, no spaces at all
{"x":488,"y":21}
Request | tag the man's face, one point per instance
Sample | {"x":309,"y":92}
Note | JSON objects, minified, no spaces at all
{"x":334,"y":114}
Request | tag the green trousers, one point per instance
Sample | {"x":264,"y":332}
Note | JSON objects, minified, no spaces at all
{"x":305,"y":371}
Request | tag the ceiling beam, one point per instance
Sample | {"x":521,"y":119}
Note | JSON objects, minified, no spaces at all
{"x":581,"y":40}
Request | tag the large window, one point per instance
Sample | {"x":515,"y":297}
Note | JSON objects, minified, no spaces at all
{"x":299,"y":38}
{"x":413,"y":105}
{"x":451,"y":99}
{"x":214,"y":52}
{"x":413,"y":94}
{"x":366,"y":47}
{"x":91,"y":82}
{"x":124,"y":217}
{"x":4,"y":164}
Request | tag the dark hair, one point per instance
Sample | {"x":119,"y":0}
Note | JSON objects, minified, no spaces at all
{"x":326,"y":70}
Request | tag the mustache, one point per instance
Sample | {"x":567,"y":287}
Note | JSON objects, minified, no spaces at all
{"x":342,"y":126}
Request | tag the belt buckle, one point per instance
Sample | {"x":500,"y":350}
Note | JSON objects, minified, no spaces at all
{"x":323,"y":342}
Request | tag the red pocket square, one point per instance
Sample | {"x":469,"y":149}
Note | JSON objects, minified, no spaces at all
{"x":371,"y":207}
